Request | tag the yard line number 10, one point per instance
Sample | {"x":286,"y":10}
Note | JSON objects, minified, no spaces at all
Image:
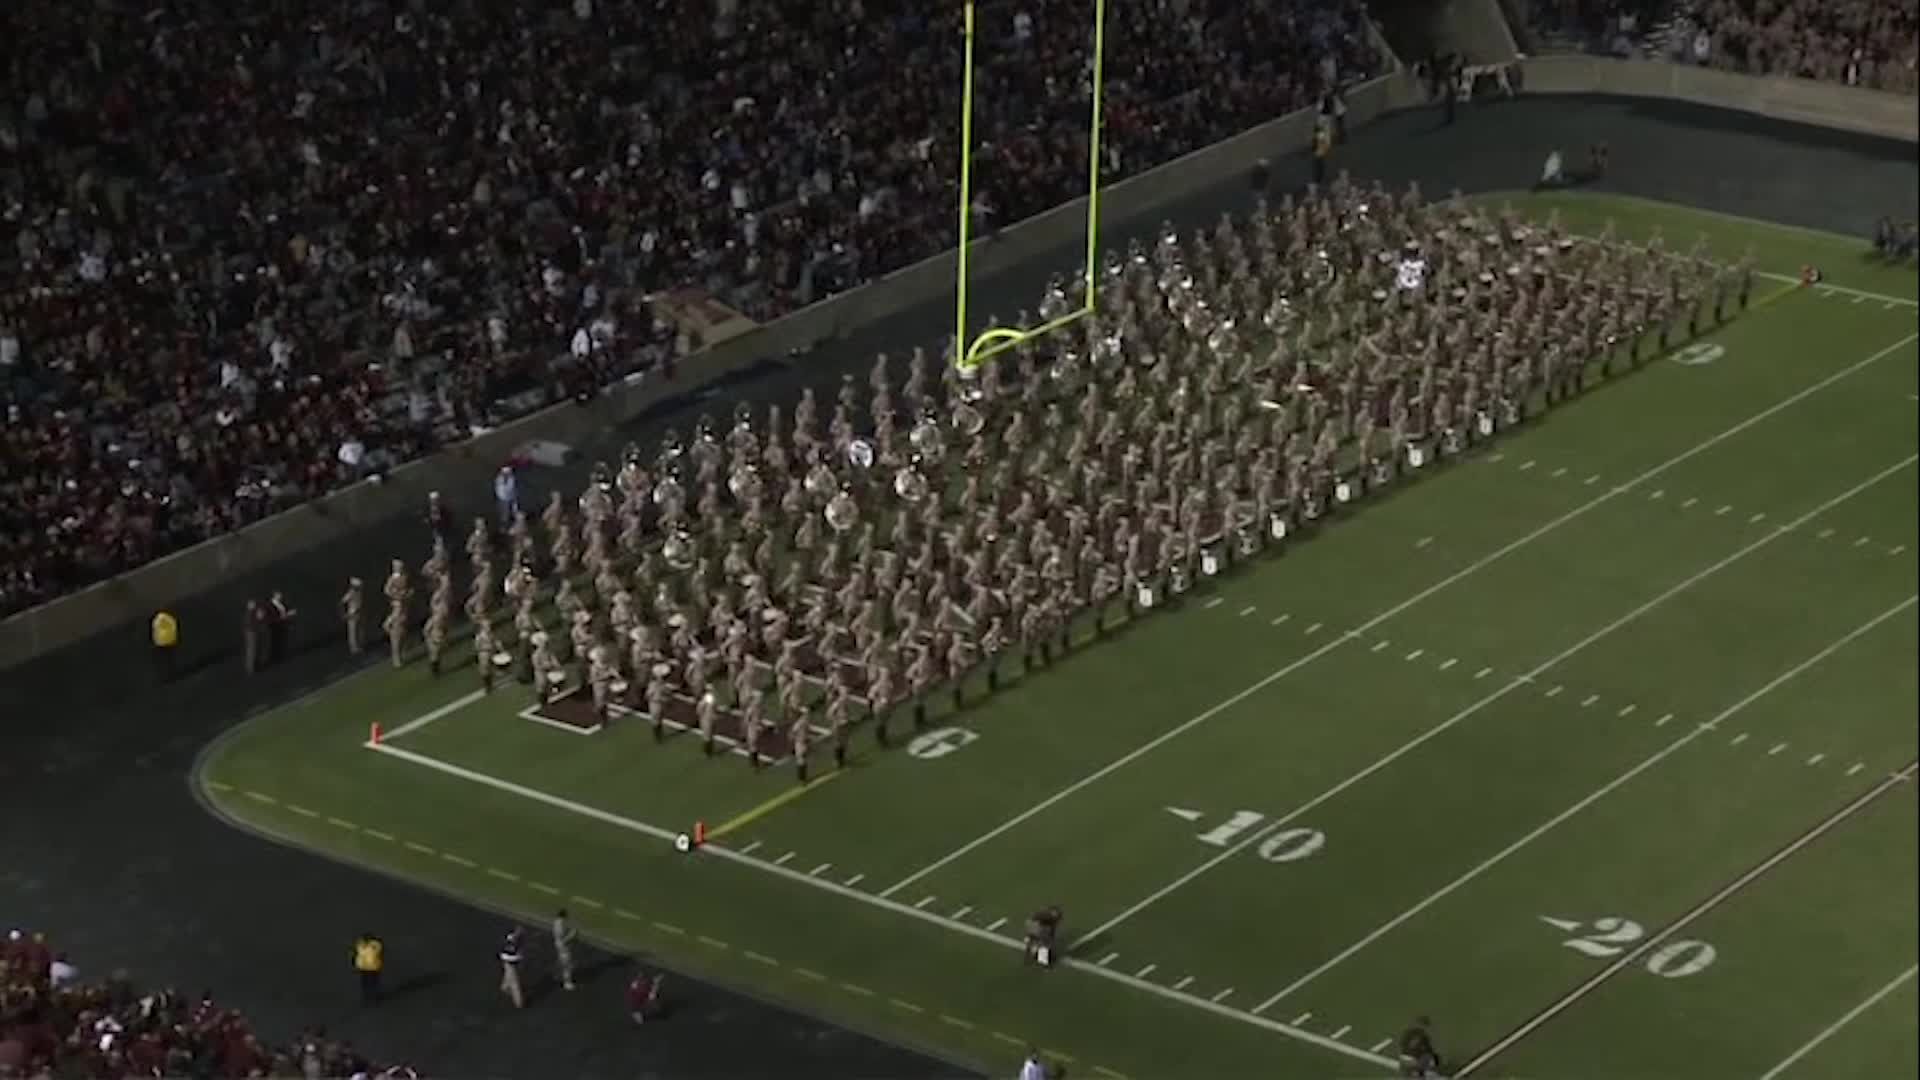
{"x":1287,"y":845}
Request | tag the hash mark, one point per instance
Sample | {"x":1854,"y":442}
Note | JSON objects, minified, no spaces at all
{"x":1483,"y":673}
{"x":1145,"y":971}
{"x":907,"y":1005}
{"x":1857,"y":766}
{"x":1664,"y":720}
{"x":1279,"y":620}
{"x":342,"y":822}
{"x":1823,"y":534}
{"x":1381,"y":644}
{"x":1302,"y":1018}
{"x":1627,"y":710}
{"x":782,"y":860}
{"x":1379,"y":1046}
{"x":750,"y":848}
{"x":1862,"y":542}
{"x":1422,"y":542}
{"x":821,"y":869}
{"x":961,"y":914}
{"x":1109,"y":958}
{"x":1659,"y":493}
{"x":996,"y":924}
{"x":1182,"y":984}
{"x":1246,"y":611}
{"x":1555,"y":692}
{"x":1222,"y":995}
{"x":494,"y":871}
{"x":925,"y":900}
{"x":303,"y":811}
{"x":457,"y":860}
{"x":855,"y":880}
{"x":1528,"y":465}
{"x":1591,"y":698}
{"x":1688,"y":505}
{"x":1214,"y":603}
{"x":1314,"y":629}
{"x":1415,"y":654}
{"x":1896,"y":549}
{"x":1449,"y":662}
{"x":378,"y":835}
{"x":1816,"y":759}
{"x":1343,"y":1030}
{"x":1777,"y":747}
{"x":1738,"y":739}
{"x":1592,"y":480}
{"x":423,"y":849}
{"x":1724,"y":510}
{"x":1559,"y":472}
{"x":1496,"y":458}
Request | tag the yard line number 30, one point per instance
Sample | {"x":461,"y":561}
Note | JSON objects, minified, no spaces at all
{"x":1611,"y":935}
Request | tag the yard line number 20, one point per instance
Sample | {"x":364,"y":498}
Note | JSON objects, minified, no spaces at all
{"x":1611,"y":935}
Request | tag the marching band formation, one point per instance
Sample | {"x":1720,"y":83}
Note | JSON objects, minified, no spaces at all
{"x":774,"y":583}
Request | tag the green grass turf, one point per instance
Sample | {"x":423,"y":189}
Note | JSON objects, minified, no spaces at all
{"x":1473,"y":705}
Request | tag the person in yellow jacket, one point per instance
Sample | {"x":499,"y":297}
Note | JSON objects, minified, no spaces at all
{"x":369,"y":955}
{"x":165,"y":633}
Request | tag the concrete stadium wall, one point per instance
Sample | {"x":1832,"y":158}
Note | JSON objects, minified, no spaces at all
{"x":336,"y":518}
{"x":1829,"y":105}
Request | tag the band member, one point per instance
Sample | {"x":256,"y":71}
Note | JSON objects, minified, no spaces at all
{"x":706,"y":712}
{"x":485,"y":651}
{"x":564,"y":936}
{"x":1043,"y":932}
{"x":800,"y":734}
{"x":839,"y":713}
{"x":435,"y":635}
{"x":351,"y":613}
{"x":1418,"y":1058}
{"x":512,"y":954}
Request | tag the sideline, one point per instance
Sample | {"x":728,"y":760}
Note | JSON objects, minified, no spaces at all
{"x":1472,"y":568}
{"x":1846,"y":1018}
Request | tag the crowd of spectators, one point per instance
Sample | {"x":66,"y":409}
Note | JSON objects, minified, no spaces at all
{"x":1867,"y":43}
{"x":55,"y":1023}
{"x":252,"y":252}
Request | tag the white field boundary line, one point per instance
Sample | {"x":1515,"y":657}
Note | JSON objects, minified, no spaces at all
{"x":1634,"y":955}
{"x":1516,"y":683}
{"x":1899,"y":301}
{"x":1340,"y":639}
{"x":440,"y":713}
{"x":827,"y":884}
{"x":1599,"y":793}
{"x":1846,"y":1018}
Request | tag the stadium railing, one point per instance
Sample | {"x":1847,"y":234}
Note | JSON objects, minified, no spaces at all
{"x":1805,"y":101}
{"x":464,"y":467}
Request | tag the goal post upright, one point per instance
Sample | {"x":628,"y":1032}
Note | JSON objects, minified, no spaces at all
{"x":969,"y":353}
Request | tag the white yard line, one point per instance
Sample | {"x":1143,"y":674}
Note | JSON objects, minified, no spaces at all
{"x":1457,"y":576}
{"x":1857,"y":294}
{"x":1635,"y":954}
{"x":440,"y":713}
{"x":667,"y":836}
{"x":1256,"y":835}
{"x":1846,"y":1018}
{"x":1600,"y":793}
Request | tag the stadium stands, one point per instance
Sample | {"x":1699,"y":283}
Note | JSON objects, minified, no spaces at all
{"x":52,"y":1024}
{"x":256,"y":252}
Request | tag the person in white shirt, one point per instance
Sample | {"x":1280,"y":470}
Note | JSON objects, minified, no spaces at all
{"x":60,"y":973}
{"x":1033,"y":1068}
{"x":582,"y":346}
{"x":9,"y":347}
{"x":506,"y":495}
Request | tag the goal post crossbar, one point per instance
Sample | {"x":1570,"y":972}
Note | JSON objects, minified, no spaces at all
{"x":969,"y":353}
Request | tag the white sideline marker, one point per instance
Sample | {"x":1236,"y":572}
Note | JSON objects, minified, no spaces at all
{"x":1777,"y":748}
{"x":1658,"y":493}
{"x":1483,"y":673}
{"x":1496,"y":458}
{"x":1213,"y":603}
{"x":1381,"y":644}
{"x":1724,"y":510}
{"x":1626,"y":710}
{"x":750,"y":848}
{"x":1665,"y":719}
{"x":1863,"y":541}
{"x":1816,"y":759}
{"x":1221,"y":996}
{"x":1422,"y":542}
{"x":1279,"y":619}
{"x":925,"y":900}
{"x":1857,"y":767}
{"x":1109,"y":958}
{"x":961,"y":914}
{"x":1381,"y":1045}
{"x":782,"y":860}
{"x":1314,"y":629}
{"x":821,"y":869}
{"x":855,"y":880}
{"x":1448,"y":662}
{"x":1528,"y":465}
{"x":1590,"y":701}
{"x":1145,"y":971}
{"x":1600,"y":499}
{"x":1595,"y":796}
{"x":1559,"y":472}
{"x":1555,"y":692}
{"x":1823,"y":534}
{"x":1246,"y":611}
{"x":996,"y":924}
{"x":1416,"y":654}
{"x":1592,"y":480}
{"x":1896,"y":549}
{"x":1689,"y":504}
{"x":1183,"y":983}
{"x":442,"y":712}
{"x":1344,"y":1028}
{"x":1846,"y":1018}
{"x":1757,"y":518}
{"x":1738,"y":739}
{"x":1302,"y":1018}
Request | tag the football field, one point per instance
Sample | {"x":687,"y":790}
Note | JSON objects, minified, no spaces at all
{"x":1595,"y":746}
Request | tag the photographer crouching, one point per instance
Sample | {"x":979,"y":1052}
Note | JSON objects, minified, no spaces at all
{"x":1043,"y":933}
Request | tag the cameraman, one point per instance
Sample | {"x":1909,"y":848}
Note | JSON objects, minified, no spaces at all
{"x":1043,"y":931}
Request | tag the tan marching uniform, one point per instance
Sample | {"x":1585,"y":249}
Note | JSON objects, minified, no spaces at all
{"x":435,"y":635}
{"x":600,"y":676}
{"x":352,"y":608}
{"x":485,"y":648}
{"x":398,"y":591}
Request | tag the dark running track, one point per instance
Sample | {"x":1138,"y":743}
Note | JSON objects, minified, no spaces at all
{"x":103,"y":846}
